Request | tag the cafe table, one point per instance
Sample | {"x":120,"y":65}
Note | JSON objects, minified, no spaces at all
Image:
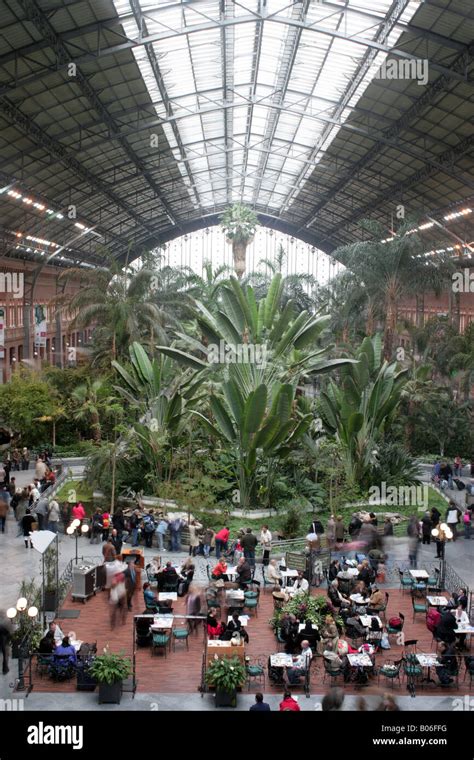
{"x":231,"y":572}
{"x":351,"y":572}
{"x":428,"y":660}
{"x":360,"y":660}
{"x":467,"y":629}
{"x":359,"y":600}
{"x":164,"y":596}
{"x":419,"y":575}
{"x":281,"y":660}
{"x":244,"y":619}
{"x":162,"y":623}
{"x":437,"y":601}
{"x":235,"y":594}
{"x":77,"y":643}
{"x":288,"y":575}
{"x":302,"y":626}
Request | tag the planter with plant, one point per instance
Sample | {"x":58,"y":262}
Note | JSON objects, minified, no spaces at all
{"x":51,"y":579}
{"x":110,"y":670}
{"x":27,"y":631}
{"x":225,"y":675}
{"x":305,"y":607}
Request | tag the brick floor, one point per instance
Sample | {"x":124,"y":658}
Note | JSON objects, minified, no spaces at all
{"x":180,"y":671}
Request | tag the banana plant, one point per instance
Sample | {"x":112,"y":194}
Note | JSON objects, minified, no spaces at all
{"x":359,"y":409}
{"x":264,"y":423}
{"x":268,"y":340}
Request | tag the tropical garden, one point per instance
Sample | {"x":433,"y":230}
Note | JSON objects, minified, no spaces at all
{"x":234,"y":389}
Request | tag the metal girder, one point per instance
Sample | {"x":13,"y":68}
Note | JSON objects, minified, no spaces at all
{"x":225,"y":23}
{"x":227,"y":55}
{"x":66,"y":157}
{"x":286,"y":67}
{"x":395,"y":191}
{"x":40,"y":20}
{"x":404,"y":122}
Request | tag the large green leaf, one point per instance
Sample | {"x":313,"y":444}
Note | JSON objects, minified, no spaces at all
{"x":282,"y":322}
{"x":222,"y":418}
{"x":141,"y":363}
{"x":227,"y":329}
{"x":311,"y":331}
{"x":272,"y":300}
{"x":255,"y":409}
{"x":233,"y":309}
{"x":234,"y":400}
{"x":188,"y":360}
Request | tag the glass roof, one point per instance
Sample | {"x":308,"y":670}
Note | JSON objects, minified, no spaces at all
{"x":253,"y":93}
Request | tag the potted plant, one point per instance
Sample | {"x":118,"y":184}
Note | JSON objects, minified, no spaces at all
{"x":110,"y":670}
{"x":51,"y":590}
{"x":225,"y":675}
{"x":26,"y":631}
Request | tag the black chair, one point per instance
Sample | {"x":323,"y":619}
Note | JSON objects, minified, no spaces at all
{"x":333,"y":673}
{"x":143,"y":632}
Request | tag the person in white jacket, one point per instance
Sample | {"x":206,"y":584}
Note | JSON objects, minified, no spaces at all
{"x":54,"y":513}
{"x":300,"y":586}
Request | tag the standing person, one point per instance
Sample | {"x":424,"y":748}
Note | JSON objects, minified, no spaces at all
{"x":439,"y":543}
{"x":266,"y":541}
{"x":149,"y":526}
{"x":5,"y":638}
{"x":426,"y":528}
{"x":7,"y":465}
{"x":108,"y":551}
{"x":466,"y":518}
{"x":193,"y":538}
{"x":25,"y":458}
{"x":452,"y":518}
{"x":40,"y":469}
{"x":26,"y":525}
{"x":457,"y":467}
{"x":33,"y":495}
{"x":105,"y":525}
{"x":118,"y":522}
{"x":78,"y":512}
{"x":388,"y":527}
{"x":207,"y":541}
{"x":161,"y":532}
{"x":3,"y":512}
{"x":222,"y":537}
{"x":446,"y":474}
{"x":12,"y":487}
{"x":260,"y":705}
{"x":193,"y":606}
{"x":249,"y":542}
{"x":413,"y":539}
{"x":331,"y":531}
{"x":134,"y":523}
{"x":339,"y":530}
{"x":96,"y":527}
{"x":176,"y":526}
{"x":354,"y":526}
{"x":16,"y":457}
{"x":435,"y":516}
{"x":117,"y":599}
{"x":130,"y":582}
{"x":40,"y":508}
{"x":53,"y":515}
{"x":116,"y":540}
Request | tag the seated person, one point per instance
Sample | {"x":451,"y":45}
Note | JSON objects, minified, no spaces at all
{"x":444,"y":631}
{"x":235,"y":625}
{"x":336,"y":663}
{"x":334,"y":569}
{"x":354,"y":628}
{"x":377,"y":600}
{"x":289,"y":632}
{"x":66,"y":652}
{"x":154,"y":567}
{"x":336,"y":598}
{"x":47,"y":644}
{"x":309,"y":633}
{"x":300,"y":586}
{"x":301,"y":663}
{"x":167,"y":575}
{"x":329,"y":635}
{"x":449,"y":666}
{"x":57,"y":632}
{"x":165,"y":607}
{"x":187,"y":576}
{"x":219,"y":571}
{"x":149,"y":596}
{"x":214,"y":628}
{"x":462,"y":619}
{"x":244,"y":573}
{"x":460,"y":598}
{"x":366,"y":573}
{"x":273,"y":574}
{"x":361,"y":588}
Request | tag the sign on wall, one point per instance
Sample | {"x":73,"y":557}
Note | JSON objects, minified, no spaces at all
{"x":40,"y":326}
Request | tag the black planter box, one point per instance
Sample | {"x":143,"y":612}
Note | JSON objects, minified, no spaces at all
{"x":85,"y":682}
{"x":226,"y":698}
{"x":50,"y":601}
{"x":110,"y":693}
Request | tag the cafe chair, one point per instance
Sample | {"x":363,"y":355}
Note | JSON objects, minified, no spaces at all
{"x":433,"y":582}
{"x":180,"y":634}
{"x":391,"y":671}
{"x":43,"y":661}
{"x":382,"y":610}
{"x":393,"y":631}
{"x":332,"y":673}
{"x":267,"y":583}
{"x":406,"y":581}
{"x":281,"y":641}
{"x":171,"y":585}
{"x":251,"y":595}
{"x":150,"y":607}
{"x":469,"y":668}
{"x":143,"y":633}
{"x":255,"y":670}
{"x":251,"y":604}
{"x":417,"y":606}
{"x":160,"y":641}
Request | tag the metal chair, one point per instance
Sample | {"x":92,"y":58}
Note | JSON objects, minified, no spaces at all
{"x":180,"y":634}
{"x":332,"y":673}
{"x":251,"y":604}
{"x":394,"y":631}
{"x":406,"y":582}
{"x":417,"y":606}
{"x":255,"y":670}
{"x":391,"y":671}
{"x":160,"y":641}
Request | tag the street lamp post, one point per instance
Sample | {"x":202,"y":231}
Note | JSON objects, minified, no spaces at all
{"x":21,"y":608}
{"x":442,"y":533}
{"x":76,"y":529}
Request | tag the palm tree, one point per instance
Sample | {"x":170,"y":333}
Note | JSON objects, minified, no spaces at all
{"x":89,"y":404}
{"x":239,"y":223}
{"x":391,"y":270}
{"x":297,"y":287}
{"x":206,"y":288}
{"x":120,"y":302}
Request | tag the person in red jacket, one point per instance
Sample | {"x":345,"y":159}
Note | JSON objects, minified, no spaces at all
{"x":222,"y":538}
{"x":289,"y":704}
{"x":78,"y":511}
{"x":219,"y":572}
